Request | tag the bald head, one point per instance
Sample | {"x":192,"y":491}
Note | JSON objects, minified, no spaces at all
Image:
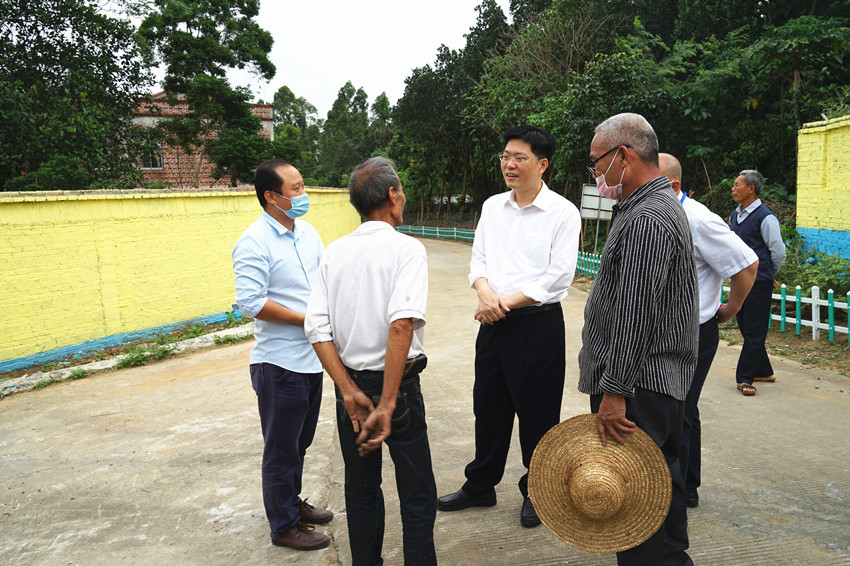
{"x":671,"y":167}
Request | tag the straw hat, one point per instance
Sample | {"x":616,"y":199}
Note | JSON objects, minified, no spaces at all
{"x":599,"y":498}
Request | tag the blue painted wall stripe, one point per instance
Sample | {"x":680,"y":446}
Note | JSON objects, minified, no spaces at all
{"x":59,"y":354}
{"x":833,"y":242}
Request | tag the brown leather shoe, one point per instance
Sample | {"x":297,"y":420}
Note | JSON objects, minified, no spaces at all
{"x":302,"y":537}
{"x":310,"y":514}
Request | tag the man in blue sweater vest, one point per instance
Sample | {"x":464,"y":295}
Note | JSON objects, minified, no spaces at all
{"x":758,"y":227}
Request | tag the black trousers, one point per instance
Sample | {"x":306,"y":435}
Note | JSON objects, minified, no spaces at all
{"x":519,"y":370}
{"x":691,"y":449}
{"x":752,"y":320}
{"x":660,"y":416}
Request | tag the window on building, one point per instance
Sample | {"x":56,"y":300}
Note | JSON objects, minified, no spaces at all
{"x":152,"y":159}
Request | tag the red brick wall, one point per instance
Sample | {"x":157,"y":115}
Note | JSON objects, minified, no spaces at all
{"x":180,"y":168}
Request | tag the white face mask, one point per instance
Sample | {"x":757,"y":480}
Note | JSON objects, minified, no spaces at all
{"x":607,"y":191}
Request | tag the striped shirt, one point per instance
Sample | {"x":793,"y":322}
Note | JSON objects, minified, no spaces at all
{"x":641,"y":320}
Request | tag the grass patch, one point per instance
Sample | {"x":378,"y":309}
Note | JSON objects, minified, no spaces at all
{"x":45,"y":383}
{"x":232,"y":339}
{"x":141,"y":355}
{"x":78,"y":374}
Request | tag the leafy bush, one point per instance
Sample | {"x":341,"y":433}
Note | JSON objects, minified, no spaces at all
{"x":808,"y":267}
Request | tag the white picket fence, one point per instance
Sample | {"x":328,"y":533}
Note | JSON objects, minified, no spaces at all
{"x":815,"y":321}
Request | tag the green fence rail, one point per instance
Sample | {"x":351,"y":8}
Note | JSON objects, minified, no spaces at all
{"x":588,"y":264}
{"x":815,"y":320}
{"x":441,"y":233}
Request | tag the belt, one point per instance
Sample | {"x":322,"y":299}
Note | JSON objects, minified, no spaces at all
{"x":412,"y":368}
{"x":528,"y":311}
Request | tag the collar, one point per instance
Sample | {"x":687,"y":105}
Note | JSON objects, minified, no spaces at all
{"x":543,"y":200}
{"x":277,"y":226}
{"x":374,"y":226}
{"x":753,"y":205}
{"x":640,"y":194}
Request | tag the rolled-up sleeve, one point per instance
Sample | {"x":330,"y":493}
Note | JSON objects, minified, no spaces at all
{"x":478,"y":265}
{"x":410,"y":292}
{"x":317,"y":320}
{"x":251,"y":271}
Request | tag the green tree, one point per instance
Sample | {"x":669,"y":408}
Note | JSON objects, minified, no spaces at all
{"x":296,"y":131}
{"x":198,"y":42}
{"x":344,"y":141}
{"x":70,"y":78}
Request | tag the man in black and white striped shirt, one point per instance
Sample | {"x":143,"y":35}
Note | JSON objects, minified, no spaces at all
{"x":641,"y":319}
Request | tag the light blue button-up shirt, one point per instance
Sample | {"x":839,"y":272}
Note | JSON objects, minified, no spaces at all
{"x":272,"y":263}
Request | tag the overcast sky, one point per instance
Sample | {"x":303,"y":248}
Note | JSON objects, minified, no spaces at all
{"x":375,"y":44}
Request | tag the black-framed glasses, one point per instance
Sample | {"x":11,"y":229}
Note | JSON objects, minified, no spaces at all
{"x":592,"y":165}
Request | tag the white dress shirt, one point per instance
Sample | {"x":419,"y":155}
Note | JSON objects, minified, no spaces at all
{"x":272,"y":263}
{"x":532,"y":249}
{"x":770,"y":233}
{"x":367,"y":280}
{"x":718,"y":252}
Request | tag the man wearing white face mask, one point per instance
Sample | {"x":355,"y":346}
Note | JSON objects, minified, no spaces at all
{"x":641,"y":319}
{"x":274,"y":262}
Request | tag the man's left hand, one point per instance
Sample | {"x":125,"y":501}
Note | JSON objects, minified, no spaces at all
{"x":374,"y":430}
{"x":725,"y":313}
{"x":611,"y":419}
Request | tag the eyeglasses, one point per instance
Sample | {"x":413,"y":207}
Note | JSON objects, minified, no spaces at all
{"x":592,"y":165}
{"x":518,"y":159}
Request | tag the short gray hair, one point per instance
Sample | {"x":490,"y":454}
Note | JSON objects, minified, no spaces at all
{"x":367,"y":188}
{"x":632,"y":130}
{"x":754,"y":178}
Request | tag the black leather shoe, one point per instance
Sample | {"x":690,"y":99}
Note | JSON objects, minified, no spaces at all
{"x":460,"y":500}
{"x":528,"y":517}
{"x":693,"y":499}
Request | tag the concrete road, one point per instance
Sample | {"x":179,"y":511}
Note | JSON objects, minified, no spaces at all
{"x":161,"y":464}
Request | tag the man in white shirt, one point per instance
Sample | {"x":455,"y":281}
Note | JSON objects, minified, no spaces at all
{"x":274,"y":262}
{"x":366,"y":319}
{"x":756,"y":224}
{"x":719,"y":254}
{"x":523,"y":261}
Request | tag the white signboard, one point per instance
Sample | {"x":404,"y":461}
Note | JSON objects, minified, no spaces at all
{"x":593,"y":205}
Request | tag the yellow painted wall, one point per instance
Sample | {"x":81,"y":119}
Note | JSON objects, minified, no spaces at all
{"x":823,"y":175}
{"x":82,"y":266}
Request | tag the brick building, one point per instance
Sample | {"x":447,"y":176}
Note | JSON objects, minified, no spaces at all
{"x":170,"y":164}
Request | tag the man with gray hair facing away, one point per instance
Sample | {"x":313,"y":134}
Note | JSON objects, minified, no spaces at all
{"x":366,"y":319}
{"x":719,"y":254}
{"x":641,"y":317}
{"x":758,"y":227}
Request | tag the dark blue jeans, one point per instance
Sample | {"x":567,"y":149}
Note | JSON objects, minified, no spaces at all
{"x":411,"y":454}
{"x":660,"y":416}
{"x":289,"y":410}
{"x":691,"y":449}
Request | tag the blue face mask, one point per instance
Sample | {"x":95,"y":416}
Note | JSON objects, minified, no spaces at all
{"x":299,"y":207}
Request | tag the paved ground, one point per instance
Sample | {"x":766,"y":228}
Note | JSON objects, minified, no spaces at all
{"x":160,"y":464}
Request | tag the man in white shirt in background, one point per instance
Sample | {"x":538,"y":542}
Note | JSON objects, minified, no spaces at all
{"x":366,"y":319}
{"x":719,"y":254}
{"x":523,"y":261}
{"x":274,"y":262}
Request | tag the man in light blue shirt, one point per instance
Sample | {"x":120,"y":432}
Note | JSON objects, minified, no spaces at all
{"x":274,"y":263}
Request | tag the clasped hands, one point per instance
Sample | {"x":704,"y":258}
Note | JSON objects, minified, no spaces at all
{"x":491,"y":307}
{"x":372,"y":423}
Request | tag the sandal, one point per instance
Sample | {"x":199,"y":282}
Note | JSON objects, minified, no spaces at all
{"x":747,"y":389}
{"x":768,"y":379}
